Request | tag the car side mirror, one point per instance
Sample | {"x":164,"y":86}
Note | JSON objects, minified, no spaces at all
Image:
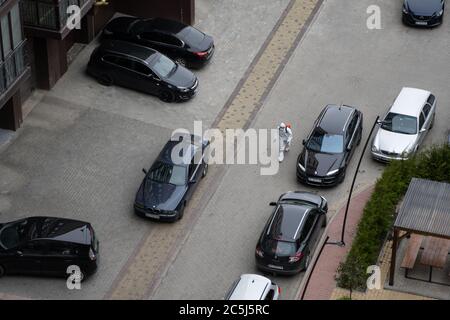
{"x":423,"y":130}
{"x":303,"y":141}
{"x":193,"y":181}
{"x":144,"y":171}
{"x":273,"y":204}
{"x":19,"y":253}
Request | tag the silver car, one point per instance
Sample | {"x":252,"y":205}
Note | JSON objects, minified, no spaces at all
{"x":405,"y":125}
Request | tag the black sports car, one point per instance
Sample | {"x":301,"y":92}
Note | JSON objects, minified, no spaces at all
{"x":287,"y":242}
{"x":330,"y":145}
{"x":186,"y":45}
{"x":170,"y":183}
{"x":423,"y":13}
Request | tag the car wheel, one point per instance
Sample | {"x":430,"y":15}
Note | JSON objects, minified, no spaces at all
{"x":205,"y":170}
{"x":166,"y":96}
{"x":432,"y":122}
{"x":105,"y":80}
{"x":180,"y":215}
{"x":324,"y":222}
{"x":181,"y":61}
{"x":2,"y":271}
{"x":307,"y":261}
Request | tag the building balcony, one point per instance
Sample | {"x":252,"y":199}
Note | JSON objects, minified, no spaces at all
{"x":48,"y":18}
{"x":13,"y":69}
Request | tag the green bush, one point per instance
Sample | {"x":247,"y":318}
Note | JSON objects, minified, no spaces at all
{"x":378,"y":215}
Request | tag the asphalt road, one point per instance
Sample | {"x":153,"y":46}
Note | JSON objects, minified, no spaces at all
{"x":338,"y":61}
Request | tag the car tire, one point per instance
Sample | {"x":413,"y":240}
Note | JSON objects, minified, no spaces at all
{"x":181,"y":214}
{"x":2,"y":271}
{"x":205,"y":170}
{"x":181,"y":61}
{"x":166,"y":96}
{"x":105,"y":80}
{"x":307,"y":261}
{"x":324,"y":222}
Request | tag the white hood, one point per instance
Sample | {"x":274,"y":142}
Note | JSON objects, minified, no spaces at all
{"x":394,"y":142}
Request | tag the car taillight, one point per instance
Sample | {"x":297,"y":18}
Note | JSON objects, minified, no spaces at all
{"x":92,"y":255}
{"x":279,"y":290}
{"x":259,"y":252}
{"x":201,"y":54}
{"x":296,"y":258}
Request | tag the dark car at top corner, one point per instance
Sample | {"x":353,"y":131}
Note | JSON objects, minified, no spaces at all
{"x":170,"y":183}
{"x":184,"y":44}
{"x":291,"y":234}
{"x":142,"y":69}
{"x":423,"y":13}
{"x":48,"y":246}
{"x":329,"y":146}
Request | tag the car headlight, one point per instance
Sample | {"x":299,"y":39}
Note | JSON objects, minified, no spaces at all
{"x":183,"y":89}
{"x":374,"y":148}
{"x":330,"y":173}
{"x":405,"y":11}
{"x":139,"y":205}
{"x":440,"y":13}
{"x":301,"y":167}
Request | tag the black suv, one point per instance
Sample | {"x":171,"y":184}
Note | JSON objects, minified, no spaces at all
{"x":186,"y":45}
{"x":170,"y":183}
{"x":47,"y":246}
{"x":330,"y":145}
{"x":288,"y":240}
{"x":142,"y":69}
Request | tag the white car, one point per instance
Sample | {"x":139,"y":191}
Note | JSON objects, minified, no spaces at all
{"x":405,"y":125}
{"x":253,"y":287}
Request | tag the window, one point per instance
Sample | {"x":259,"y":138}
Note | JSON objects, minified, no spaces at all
{"x":309,"y":223}
{"x":351,"y":128}
{"x":119,"y":61}
{"x":6,"y":40}
{"x":421,"y":120}
{"x":16,"y":26}
{"x":168,"y":173}
{"x":141,"y":68}
{"x":431,"y":99}
{"x":400,"y":123}
{"x":162,"y":38}
{"x":327,"y":143}
{"x":426,"y":110}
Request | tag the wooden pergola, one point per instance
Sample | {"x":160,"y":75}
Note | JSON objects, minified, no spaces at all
{"x":424,"y":215}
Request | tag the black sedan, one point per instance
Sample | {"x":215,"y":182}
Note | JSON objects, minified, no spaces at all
{"x":186,"y":45}
{"x":423,"y":13}
{"x":47,"y":246}
{"x":143,"y":69}
{"x":287,"y":242}
{"x":170,"y":182}
{"x":330,"y":145}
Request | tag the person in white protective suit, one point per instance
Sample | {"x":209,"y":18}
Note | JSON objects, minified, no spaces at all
{"x":285,"y":132}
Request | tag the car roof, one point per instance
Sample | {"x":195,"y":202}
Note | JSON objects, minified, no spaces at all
{"x":166,"y":25}
{"x":127,"y":48}
{"x":61,"y":229}
{"x":410,"y":101}
{"x":185,"y":144}
{"x":250,"y":287}
{"x":287,"y":221}
{"x":334,"y":118}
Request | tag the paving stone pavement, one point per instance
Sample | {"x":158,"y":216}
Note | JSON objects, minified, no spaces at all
{"x":142,"y":274}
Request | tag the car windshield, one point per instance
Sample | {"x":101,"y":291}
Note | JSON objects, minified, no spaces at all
{"x":279,"y":248}
{"x":400,"y":123}
{"x":168,"y":173}
{"x":163,"y":66}
{"x":12,"y":234}
{"x":192,"y":36}
{"x":326,"y":143}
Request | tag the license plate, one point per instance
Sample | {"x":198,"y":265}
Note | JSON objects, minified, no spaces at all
{"x":421,"y":23}
{"x":151,"y":215}
{"x":315,"y":180}
{"x":275,"y":267}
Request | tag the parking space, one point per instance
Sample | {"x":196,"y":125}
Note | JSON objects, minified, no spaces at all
{"x":338,"y":61}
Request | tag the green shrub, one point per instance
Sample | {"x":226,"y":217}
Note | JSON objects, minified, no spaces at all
{"x":379,"y":212}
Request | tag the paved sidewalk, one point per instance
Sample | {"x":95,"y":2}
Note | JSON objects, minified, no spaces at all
{"x":322,"y":284}
{"x":322,"y":281}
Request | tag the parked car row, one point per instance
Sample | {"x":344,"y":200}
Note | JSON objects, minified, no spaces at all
{"x":151,"y":56}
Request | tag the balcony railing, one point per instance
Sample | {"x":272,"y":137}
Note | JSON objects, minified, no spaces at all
{"x":13,"y":67}
{"x":48,"y":14}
